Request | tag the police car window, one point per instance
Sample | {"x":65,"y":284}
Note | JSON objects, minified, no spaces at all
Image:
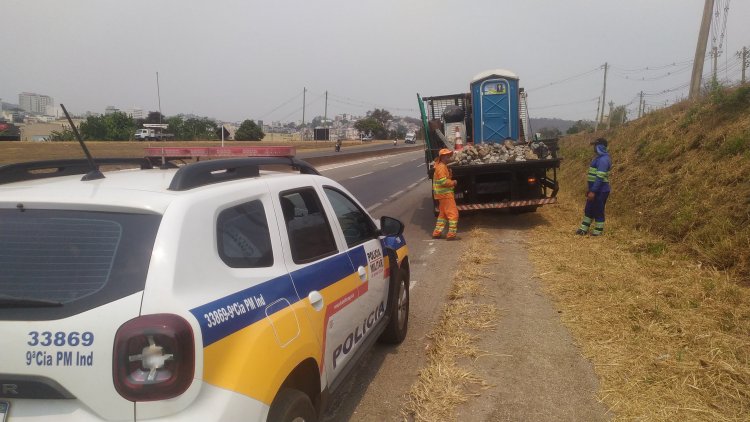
{"x":243,"y":237}
{"x":356,"y":225}
{"x":79,"y":259}
{"x":310,"y":235}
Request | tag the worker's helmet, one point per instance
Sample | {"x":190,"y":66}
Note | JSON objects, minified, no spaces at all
{"x":599,"y":141}
{"x":445,"y":151}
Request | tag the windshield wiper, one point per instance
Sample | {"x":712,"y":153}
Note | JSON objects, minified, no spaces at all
{"x":20,"y":302}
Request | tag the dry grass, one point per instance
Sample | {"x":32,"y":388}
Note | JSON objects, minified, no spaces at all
{"x":667,"y":332}
{"x":446,"y":381}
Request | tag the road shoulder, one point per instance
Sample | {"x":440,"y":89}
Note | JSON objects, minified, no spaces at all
{"x":534,"y":368}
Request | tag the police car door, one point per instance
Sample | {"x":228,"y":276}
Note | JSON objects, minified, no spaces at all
{"x":322,"y":273}
{"x":366,"y":253}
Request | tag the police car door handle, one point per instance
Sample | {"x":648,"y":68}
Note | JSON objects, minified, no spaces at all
{"x":362,"y":271}
{"x":316,"y":300}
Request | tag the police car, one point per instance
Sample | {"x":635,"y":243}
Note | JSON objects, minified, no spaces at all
{"x":214,"y":290}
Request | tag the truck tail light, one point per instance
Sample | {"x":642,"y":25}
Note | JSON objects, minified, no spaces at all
{"x":531,"y":180}
{"x":154,"y":357}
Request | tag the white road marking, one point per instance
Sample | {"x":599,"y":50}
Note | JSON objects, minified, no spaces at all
{"x":412,"y":283}
{"x":351,"y":163}
{"x":431,"y":251}
{"x":360,"y":175}
{"x":380,"y":164}
{"x":395,"y":165}
{"x":373,"y":206}
{"x":420,"y":165}
{"x":396,"y":194}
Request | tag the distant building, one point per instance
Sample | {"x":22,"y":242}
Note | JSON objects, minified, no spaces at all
{"x":110,"y":110}
{"x":35,"y":103}
{"x":136,"y":113}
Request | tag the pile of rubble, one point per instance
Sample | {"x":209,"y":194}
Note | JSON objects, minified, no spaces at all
{"x":506,"y":152}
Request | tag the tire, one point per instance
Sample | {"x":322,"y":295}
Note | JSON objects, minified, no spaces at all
{"x":292,"y":406}
{"x":395,"y":331}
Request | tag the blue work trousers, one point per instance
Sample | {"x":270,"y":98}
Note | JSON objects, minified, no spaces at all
{"x":595,"y":209}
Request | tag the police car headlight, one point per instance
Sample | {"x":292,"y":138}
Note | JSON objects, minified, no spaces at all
{"x":154,"y":357}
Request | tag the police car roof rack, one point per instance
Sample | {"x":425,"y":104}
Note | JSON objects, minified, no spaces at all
{"x":208,"y":172}
{"x":34,"y":170}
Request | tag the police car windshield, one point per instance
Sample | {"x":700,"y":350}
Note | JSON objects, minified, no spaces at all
{"x":60,"y":257}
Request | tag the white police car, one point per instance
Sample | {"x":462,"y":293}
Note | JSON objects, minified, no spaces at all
{"x":216,"y":290}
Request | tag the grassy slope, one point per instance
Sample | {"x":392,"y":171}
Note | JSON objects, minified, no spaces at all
{"x":660,"y":305}
{"x":682,"y":173}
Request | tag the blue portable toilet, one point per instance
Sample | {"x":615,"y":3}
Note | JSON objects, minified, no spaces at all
{"x":495,"y":103}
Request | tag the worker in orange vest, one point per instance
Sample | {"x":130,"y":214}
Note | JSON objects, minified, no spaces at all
{"x":442,"y":190}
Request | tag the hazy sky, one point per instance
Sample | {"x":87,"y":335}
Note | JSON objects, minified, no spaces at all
{"x":238,"y":59}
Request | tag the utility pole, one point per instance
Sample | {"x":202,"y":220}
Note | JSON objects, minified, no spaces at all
{"x":325,"y":115}
{"x":596,"y":117}
{"x":715,"y":54}
{"x":158,"y":95}
{"x":604,"y":93}
{"x":304,"y":92}
{"x":640,"y":106}
{"x":700,"y":50}
{"x":609,"y":118}
{"x":742,"y":54}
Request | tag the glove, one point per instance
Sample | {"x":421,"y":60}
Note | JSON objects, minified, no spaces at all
{"x":590,"y":196}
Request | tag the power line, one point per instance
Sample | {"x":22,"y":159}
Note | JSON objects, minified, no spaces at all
{"x":564,"y":104}
{"x":281,"y":105}
{"x":652,"y":68}
{"x":580,"y":75}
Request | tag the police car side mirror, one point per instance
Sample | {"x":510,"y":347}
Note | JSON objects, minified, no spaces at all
{"x":390,"y":226}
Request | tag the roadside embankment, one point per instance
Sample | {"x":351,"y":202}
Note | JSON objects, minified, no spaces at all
{"x":661,"y":304}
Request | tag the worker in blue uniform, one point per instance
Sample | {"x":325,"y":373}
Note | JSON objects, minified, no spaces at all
{"x":598,"y":190}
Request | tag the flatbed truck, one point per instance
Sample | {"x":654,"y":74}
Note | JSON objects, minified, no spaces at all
{"x":493,"y":112}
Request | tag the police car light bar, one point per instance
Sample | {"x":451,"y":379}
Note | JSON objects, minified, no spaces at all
{"x":173,"y":153}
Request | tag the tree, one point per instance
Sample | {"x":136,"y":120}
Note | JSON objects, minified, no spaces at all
{"x":249,"y":131}
{"x":317,"y":121}
{"x":370,"y":125}
{"x":65,"y":135}
{"x":117,"y":126}
{"x":155,"y":117}
{"x":580,"y":126}
{"x":550,"y":132}
{"x":382,"y":116}
{"x":400,"y":132}
{"x":199,"y":128}
{"x":94,"y":127}
{"x":176,"y":125}
{"x":618,"y":116}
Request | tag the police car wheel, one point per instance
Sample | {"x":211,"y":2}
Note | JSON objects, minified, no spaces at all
{"x":292,"y":406}
{"x":398,"y":324}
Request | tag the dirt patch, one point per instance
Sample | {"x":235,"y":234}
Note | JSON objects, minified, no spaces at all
{"x":522,"y":365}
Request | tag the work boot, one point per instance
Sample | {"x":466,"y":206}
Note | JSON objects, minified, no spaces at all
{"x":437,"y":235}
{"x":598,"y":229}
{"x":581,"y":232}
{"x":451,"y":237}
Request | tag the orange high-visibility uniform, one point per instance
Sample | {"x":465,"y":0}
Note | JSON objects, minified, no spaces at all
{"x":442,"y":190}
